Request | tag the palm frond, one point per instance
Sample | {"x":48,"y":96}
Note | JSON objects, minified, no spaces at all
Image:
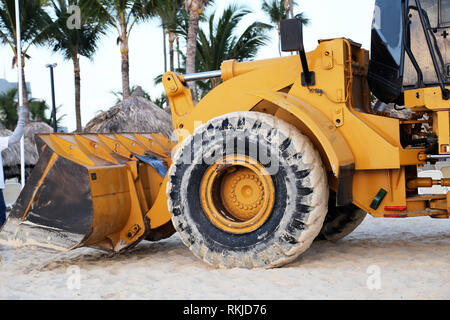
{"x":220,"y":41}
{"x":73,"y":42}
{"x":34,"y":23}
{"x":8,"y":109}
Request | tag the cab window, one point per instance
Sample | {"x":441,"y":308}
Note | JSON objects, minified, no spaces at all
{"x":444,"y":13}
{"x":432,"y":9}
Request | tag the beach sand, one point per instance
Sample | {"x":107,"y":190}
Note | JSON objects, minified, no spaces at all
{"x":382,"y":259}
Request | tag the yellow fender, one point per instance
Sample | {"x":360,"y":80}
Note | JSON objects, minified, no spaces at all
{"x":325,"y":133}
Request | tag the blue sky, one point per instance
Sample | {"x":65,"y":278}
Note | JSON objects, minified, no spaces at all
{"x":329,"y":19}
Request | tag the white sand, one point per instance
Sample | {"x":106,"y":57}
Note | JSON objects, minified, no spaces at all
{"x":412,"y":256}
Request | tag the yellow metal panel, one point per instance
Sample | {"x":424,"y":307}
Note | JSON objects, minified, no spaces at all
{"x":159,"y":212}
{"x":443,"y":131}
{"x":371,"y":146}
{"x":69,"y":149}
{"x":232,"y":95}
{"x":448,"y":203}
{"x":111,"y":212}
{"x":95,"y":139}
{"x":94,"y":149}
{"x":132,"y":145}
{"x":134,"y":228}
{"x":108,"y":180}
{"x":151,"y":182}
{"x":167,"y":144}
{"x":332,"y":142}
{"x":429,"y":98}
{"x":179,"y":96}
{"x":115,"y":146}
{"x":388,"y":128}
{"x":367,"y":183}
{"x":151,"y":144}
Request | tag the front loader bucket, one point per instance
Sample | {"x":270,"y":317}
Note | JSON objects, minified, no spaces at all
{"x":89,"y":190}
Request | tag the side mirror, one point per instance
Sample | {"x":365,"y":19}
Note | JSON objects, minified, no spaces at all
{"x":292,"y":40}
{"x":291,"y":35}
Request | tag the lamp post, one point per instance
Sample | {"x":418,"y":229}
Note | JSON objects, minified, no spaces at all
{"x":52,"y":83}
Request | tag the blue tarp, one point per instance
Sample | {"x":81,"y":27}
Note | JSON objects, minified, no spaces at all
{"x":156,"y":163}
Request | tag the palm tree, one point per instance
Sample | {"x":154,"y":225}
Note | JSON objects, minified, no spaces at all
{"x":122,"y":16}
{"x":38,"y":112}
{"x":278,"y":10}
{"x":289,"y":8}
{"x":195,"y":9}
{"x":119,"y":94}
{"x":8,"y":109}
{"x":160,"y":101}
{"x":34,"y":30}
{"x":302,"y":17}
{"x":169,"y":11}
{"x":74,"y":43}
{"x":220,"y":42}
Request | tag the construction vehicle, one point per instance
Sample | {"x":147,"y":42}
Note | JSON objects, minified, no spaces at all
{"x":284,"y":151}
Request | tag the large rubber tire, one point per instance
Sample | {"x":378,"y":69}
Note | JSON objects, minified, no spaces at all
{"x":301,"y":193}
{"x":340,"y":221}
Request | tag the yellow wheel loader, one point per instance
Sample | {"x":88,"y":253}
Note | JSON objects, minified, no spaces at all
{"x":284,"y":151}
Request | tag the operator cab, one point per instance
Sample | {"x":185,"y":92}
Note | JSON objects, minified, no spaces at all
{"x":410,"y":40}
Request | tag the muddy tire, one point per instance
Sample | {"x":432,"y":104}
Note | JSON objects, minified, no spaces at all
{"x":340,"y":221}
{"x":298,"y":203}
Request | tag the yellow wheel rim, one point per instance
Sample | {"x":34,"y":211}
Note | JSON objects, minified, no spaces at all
{"x":237,"y":194}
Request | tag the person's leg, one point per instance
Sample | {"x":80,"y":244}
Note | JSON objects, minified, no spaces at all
{"x":2,"y":209}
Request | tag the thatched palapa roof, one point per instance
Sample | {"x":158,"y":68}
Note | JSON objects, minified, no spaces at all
{"x":135,"y":114}
{"x":11,"y":155}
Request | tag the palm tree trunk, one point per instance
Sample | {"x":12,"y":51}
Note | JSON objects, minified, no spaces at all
{"x":194,"y":17}
{"x":25,"y":93}
{"x":279,"y":38}
{"x":178,"y":51}
{"x":165,"y":50}
{"x":125,"y":58}
{"x":171,"y":51}
{"x":214,"y":82}
{"x":77,"y":73}
{"x":289,"y":5}
{"x":291,"y":8}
